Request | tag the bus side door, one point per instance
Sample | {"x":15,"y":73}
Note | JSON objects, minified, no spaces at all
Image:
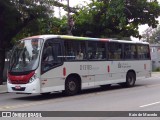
{"x":51,"y":66}
{"x":115,"y":62}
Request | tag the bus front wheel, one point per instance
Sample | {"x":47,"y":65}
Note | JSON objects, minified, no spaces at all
{"x":72,"y":86}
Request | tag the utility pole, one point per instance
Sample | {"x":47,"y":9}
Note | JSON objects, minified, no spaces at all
{"x":69,"y":18}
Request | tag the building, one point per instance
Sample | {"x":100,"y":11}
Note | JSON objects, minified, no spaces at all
{"x":155,"y":56}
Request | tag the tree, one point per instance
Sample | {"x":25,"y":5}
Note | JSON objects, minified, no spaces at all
{"x":154,"y":35}
{"x":115,"y":18}
{"x":15,"y":15}
{"x":146,"y":36}
{"x":49,"y":25}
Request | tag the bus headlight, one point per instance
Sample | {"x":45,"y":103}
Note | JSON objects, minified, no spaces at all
{"x":8,"y":80}
{"x":33,"y":78}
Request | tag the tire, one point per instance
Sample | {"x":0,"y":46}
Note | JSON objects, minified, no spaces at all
{"x":72,"y":86}
{"x":130,"y":80}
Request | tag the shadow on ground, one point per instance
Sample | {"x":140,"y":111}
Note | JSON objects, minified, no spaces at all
{"x":58,"y":95}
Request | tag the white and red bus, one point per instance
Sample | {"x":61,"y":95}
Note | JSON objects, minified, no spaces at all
{"x":48,"y":63}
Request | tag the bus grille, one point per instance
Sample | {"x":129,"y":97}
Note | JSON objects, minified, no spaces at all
{"x":21,"y":89}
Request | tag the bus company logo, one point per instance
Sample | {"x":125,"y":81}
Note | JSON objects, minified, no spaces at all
{"x":6,"y":114}
{"x":123,"y":65}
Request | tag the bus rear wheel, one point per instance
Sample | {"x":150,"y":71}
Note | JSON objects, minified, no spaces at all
{"x":130,"y":80}
{"x":72,"y":86}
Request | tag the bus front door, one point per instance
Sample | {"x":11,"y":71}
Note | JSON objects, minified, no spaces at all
{"x":51,"y":67}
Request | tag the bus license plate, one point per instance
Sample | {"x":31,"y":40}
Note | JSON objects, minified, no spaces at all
{"x":17,"y":87}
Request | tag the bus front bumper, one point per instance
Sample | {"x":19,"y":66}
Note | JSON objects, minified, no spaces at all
{"x":33,"y":87}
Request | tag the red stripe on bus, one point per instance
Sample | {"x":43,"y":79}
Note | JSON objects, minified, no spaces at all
{"x":20,"y":79}
{"x":64,"y":71}
{"x":105,"y":40}
{"x":108,"y":68}
{"x":145,"y":66}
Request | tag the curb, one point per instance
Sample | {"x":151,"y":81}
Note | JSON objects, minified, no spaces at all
{"x":3,"y":88}
{"x":155,"y":74}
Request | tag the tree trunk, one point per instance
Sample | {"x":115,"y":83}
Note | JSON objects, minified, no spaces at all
{"x":2,"y":56}
{"x":2,"y":47}
{"x":2,"y":63}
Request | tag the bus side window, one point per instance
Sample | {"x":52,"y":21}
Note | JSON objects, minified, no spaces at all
{"x":96,"y":51}
{"x":74,"y":50}
{"x":115,"y":51}
{"x":79,"y":55}
{"x":47,"y":54}
{"x":51,"y":56}
{"x":111,"y":55}
{"x":130,"y":51}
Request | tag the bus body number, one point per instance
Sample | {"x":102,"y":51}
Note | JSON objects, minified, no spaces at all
{"x":85,"y":67}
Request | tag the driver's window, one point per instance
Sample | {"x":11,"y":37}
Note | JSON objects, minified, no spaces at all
{"x":52,"y":55}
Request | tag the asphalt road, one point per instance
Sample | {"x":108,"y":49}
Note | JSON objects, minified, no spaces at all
{"x":145,"y":96}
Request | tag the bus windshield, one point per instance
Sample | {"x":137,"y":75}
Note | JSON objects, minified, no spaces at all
{"x":25,"y":55}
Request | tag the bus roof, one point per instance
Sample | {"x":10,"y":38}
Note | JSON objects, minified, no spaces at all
{"x":84,"y":38}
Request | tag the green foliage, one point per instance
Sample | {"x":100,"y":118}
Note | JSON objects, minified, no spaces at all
{"x":45,"y":23}
{"x":102,"y":18}
{"x":22,"y":18}
{"x":157,"y":69}
{"x":152,"y":35}
{"x":115,"y":18}
{"x":41,"y":26}
{"x":148,"y":35}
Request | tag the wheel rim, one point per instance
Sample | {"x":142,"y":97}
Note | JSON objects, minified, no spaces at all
{"x":72,"y":86}
{"x":130,"y":80}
